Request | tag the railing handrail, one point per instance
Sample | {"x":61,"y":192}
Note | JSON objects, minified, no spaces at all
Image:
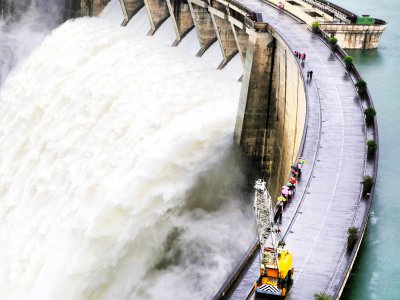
{"x":342,"y":54}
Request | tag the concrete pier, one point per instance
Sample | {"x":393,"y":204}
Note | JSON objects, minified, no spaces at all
{"x":181,"y":18}
{"x":242,"y":40}
{"x":204,"y":24}
{"x":158,"y":12}
{"x":130,"y":8}
{"x":225,"y":35}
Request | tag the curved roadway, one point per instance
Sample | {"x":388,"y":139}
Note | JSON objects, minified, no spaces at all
{"x":327,"y":201}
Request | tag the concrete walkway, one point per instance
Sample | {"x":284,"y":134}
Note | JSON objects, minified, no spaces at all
{"x":328,"y":197}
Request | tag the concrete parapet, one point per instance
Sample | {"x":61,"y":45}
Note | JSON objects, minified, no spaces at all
{"x":225,"y":35}
{"x":204,"y":25}
{"x":158,"y":12}
{"x":181,"y":18}
{"x":130,"y":8}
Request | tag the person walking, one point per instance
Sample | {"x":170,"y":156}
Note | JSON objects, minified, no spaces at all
{"x":303,"y":57}
{"x":308,"y":75}
{"x":311,"y":72}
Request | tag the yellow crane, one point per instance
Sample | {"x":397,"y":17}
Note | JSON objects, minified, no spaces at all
{"x":276,"y":270}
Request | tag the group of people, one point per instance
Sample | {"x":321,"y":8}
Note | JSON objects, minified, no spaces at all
{"x":300,"y":56}
{"x":289,"y":189}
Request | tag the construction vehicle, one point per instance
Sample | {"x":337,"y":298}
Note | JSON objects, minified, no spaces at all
{"x":276,"y":268}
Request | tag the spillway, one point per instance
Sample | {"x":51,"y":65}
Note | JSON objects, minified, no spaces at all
{"x":118,"y":175}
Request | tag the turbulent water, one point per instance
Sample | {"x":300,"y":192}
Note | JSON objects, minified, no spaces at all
{"x":24,"y":28}
{"x":118,"y":178}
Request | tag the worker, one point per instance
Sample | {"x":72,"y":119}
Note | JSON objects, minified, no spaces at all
{"x":280,"y":212}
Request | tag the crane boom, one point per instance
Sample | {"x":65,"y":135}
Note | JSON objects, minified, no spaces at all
{"x":264,"y":214}
{"x":276,"y":261}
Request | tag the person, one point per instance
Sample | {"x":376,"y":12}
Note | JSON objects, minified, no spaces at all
{"x":285,"y":192}
{"x":294,"y":172}
{"x":280,"y":212}
{"x":308,"y":75}
{"x":293,"y":180}
{"x":291,"y":189}
{"x":303,"y":57}
{"x":300,"y":164}
{"x":295,"y":53}
{"x":282,"y":200}
{"x":281,"y":6}
{"x":311,"y":72}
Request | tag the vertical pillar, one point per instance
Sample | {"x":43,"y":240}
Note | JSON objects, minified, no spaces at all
{"x":242,"y":39}
{"x":204,"y":25}
{"x":181,"y":18}
{"x":253,"y":114}
{"x":224,"y":31}
{"x":158,"y":13}
{"x":129,"y":9}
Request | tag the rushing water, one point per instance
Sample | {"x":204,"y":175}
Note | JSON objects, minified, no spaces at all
{"x":376,"y":274}
{"x":23,"y":29}
{"x":117,"y":175}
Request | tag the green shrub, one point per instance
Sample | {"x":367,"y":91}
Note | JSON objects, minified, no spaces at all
{"x":315,"y":24}
{"x":367,"y":182}
{"x":333,"y":41}
{"x":361,"y":86}
{"x":322,"y":296}
{"x":315,"y":27}
{"x":352,"y":236}
{"x":348,"y":60}
{"x":371,"y":144}
{"x":370,"y":113}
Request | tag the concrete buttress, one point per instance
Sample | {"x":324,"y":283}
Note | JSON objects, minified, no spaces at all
{"x":98,"y":6}
{"x":242,"y":39}
{"x":254,"y":104}
{"x":158,"y":13}
{"x":204,"y":25}
{"x":181,"y":18}
{"x":130,"y":8}
{"x":225,"y":33}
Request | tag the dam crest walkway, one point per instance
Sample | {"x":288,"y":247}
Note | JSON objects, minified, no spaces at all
{"x":328,"y":197}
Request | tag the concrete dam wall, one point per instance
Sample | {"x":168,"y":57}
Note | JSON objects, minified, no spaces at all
{"x":271,"y":119}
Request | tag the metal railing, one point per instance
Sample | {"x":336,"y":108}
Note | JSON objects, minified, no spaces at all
{"x":368,"y":98}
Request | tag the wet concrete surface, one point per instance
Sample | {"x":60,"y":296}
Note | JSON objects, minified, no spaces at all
{"x":327,"y":201}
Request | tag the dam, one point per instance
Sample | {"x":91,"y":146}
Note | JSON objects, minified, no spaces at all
{"x":320,"y":119}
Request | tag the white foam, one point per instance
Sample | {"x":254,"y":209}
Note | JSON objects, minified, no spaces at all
{"x":114,"y":182}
